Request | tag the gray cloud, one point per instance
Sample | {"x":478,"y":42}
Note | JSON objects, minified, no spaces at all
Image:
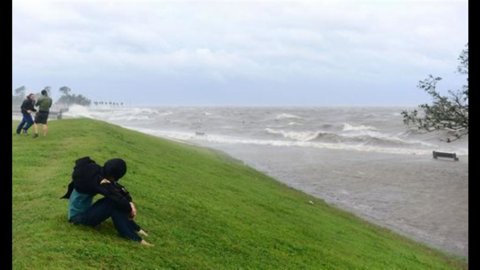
{"x":226,"y":42}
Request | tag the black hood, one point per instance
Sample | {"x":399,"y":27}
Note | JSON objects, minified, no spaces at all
{"x":115,"y":167}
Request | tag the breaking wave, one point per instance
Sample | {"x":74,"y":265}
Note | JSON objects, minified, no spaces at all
{"x":366,"y":137}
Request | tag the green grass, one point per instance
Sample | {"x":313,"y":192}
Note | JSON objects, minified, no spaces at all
{"x":202,"y":209}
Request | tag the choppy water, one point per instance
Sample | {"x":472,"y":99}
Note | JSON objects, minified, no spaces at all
{"x":343,"y":128}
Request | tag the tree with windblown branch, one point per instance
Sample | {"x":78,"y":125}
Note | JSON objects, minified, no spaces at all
{"x":447,"y":112}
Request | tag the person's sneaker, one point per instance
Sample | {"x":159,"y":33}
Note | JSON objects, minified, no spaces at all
{"x":35,"y":135}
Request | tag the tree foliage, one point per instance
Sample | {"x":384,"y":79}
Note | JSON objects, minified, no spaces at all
{"x":65,"y":90}
{"x":69,"y":99}
{"x":446,"y":112}
{"x":20,"y":91}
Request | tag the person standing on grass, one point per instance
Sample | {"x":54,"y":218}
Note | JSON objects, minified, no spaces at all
{"x":27,"y":108}
{"x":90,"y":179}
{"x":44,"y":103}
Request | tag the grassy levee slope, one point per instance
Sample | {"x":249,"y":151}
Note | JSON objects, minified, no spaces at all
{"x":202,"y":209}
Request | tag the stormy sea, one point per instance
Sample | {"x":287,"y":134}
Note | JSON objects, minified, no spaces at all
{"x":361,"y":159}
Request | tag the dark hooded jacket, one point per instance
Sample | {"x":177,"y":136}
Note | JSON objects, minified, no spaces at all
{"x":87,"y":178}
{"x":27,"y":105}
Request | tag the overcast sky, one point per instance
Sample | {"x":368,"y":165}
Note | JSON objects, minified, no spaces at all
{"x":311,"y":53}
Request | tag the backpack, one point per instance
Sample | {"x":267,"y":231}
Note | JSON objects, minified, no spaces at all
{"x":85,"y":176}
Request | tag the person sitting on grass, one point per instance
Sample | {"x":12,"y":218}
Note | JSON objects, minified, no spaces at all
{"x":89,"y":179}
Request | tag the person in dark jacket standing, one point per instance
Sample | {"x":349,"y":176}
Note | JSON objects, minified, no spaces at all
{"x":27,"y":108}
{"x":89,"y":179}
{"x":44,"y":103}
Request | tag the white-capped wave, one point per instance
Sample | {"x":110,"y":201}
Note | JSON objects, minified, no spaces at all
{"x":114,"y":114}
{"x":364,"y":137}
{"x":164,"y":113}
{"x":190,"y":137}
{"x":373,"y":137}
{"x":294,"y":135}
{"x":78,"y":111}
{"x":348,"y":127}
{"x":287,"y":116}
